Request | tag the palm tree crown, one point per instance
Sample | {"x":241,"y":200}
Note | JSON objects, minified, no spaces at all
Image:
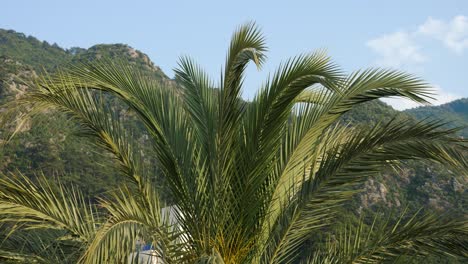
{"x":251,"y":181}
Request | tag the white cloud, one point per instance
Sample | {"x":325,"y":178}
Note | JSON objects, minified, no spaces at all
{"x":396,"y":50}
{"x":400,"y":49}
{"x":441,"y":97}
{"x":454,"y":33}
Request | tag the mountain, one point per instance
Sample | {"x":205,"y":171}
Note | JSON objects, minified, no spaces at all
{"x":49,"y":144}
{"x":30,"y":51}
{"x":40,"y":55}
{"x":414,"y":184}
{"x":455,"y":112}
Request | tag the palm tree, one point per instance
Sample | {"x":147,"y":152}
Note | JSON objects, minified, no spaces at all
{"x":251,"y":181}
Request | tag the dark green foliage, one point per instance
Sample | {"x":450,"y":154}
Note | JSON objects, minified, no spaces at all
{"x":117,"y":52}
{"x":370,"y":113}
{"x":29,"y":50}
{"x":455,"y":112}
{"x":22,"y":55}
{"x":50,"y":146}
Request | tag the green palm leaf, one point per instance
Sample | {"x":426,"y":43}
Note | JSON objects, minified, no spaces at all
{"x":251,"y":181}
{"x":413,"y":235}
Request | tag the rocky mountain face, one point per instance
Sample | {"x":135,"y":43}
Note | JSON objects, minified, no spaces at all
{"x":12,"y":73}
{"x":414,"y":184}
{"x":48,"y":145}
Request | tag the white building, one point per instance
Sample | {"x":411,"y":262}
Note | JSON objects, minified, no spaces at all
{"x":147,"y":255}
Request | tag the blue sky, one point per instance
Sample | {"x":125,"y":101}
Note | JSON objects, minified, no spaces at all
{"x":428,"y":38}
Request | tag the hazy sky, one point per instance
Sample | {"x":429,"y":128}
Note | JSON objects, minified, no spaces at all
{"x":428,"y":38}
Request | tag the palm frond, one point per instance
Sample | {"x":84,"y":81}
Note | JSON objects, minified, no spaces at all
{"x":420,"y":234}
{"x":199,"y":99}
{"x":251,"y":181}
{"x":135,"y":217}
{"x":247,"y":44}
{"x":45,"y":206}
{"x":336,"y":98}
{"x":36,"y":246}
{"x":96,"y":119}
{"x":342,"y":167}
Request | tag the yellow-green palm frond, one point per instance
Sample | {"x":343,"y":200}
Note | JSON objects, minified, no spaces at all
{"x":418,"y":234}
{"x":250,"y":181}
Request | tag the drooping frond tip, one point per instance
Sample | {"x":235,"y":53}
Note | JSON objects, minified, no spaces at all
{"x":248,"y":42}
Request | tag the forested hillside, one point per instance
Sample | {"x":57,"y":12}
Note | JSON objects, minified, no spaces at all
{"x":47,"y":144}
{"x":455,"y":113}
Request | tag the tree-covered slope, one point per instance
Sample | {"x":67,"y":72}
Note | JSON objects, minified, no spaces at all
{"x":414,"y":184}
{"x":30,"y":51}
{"x":39,"y":55}
{"x":455,"y":112}
{"x":48,"y":144}
{"x":120,"y":52}
{"x":54,"y":149}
